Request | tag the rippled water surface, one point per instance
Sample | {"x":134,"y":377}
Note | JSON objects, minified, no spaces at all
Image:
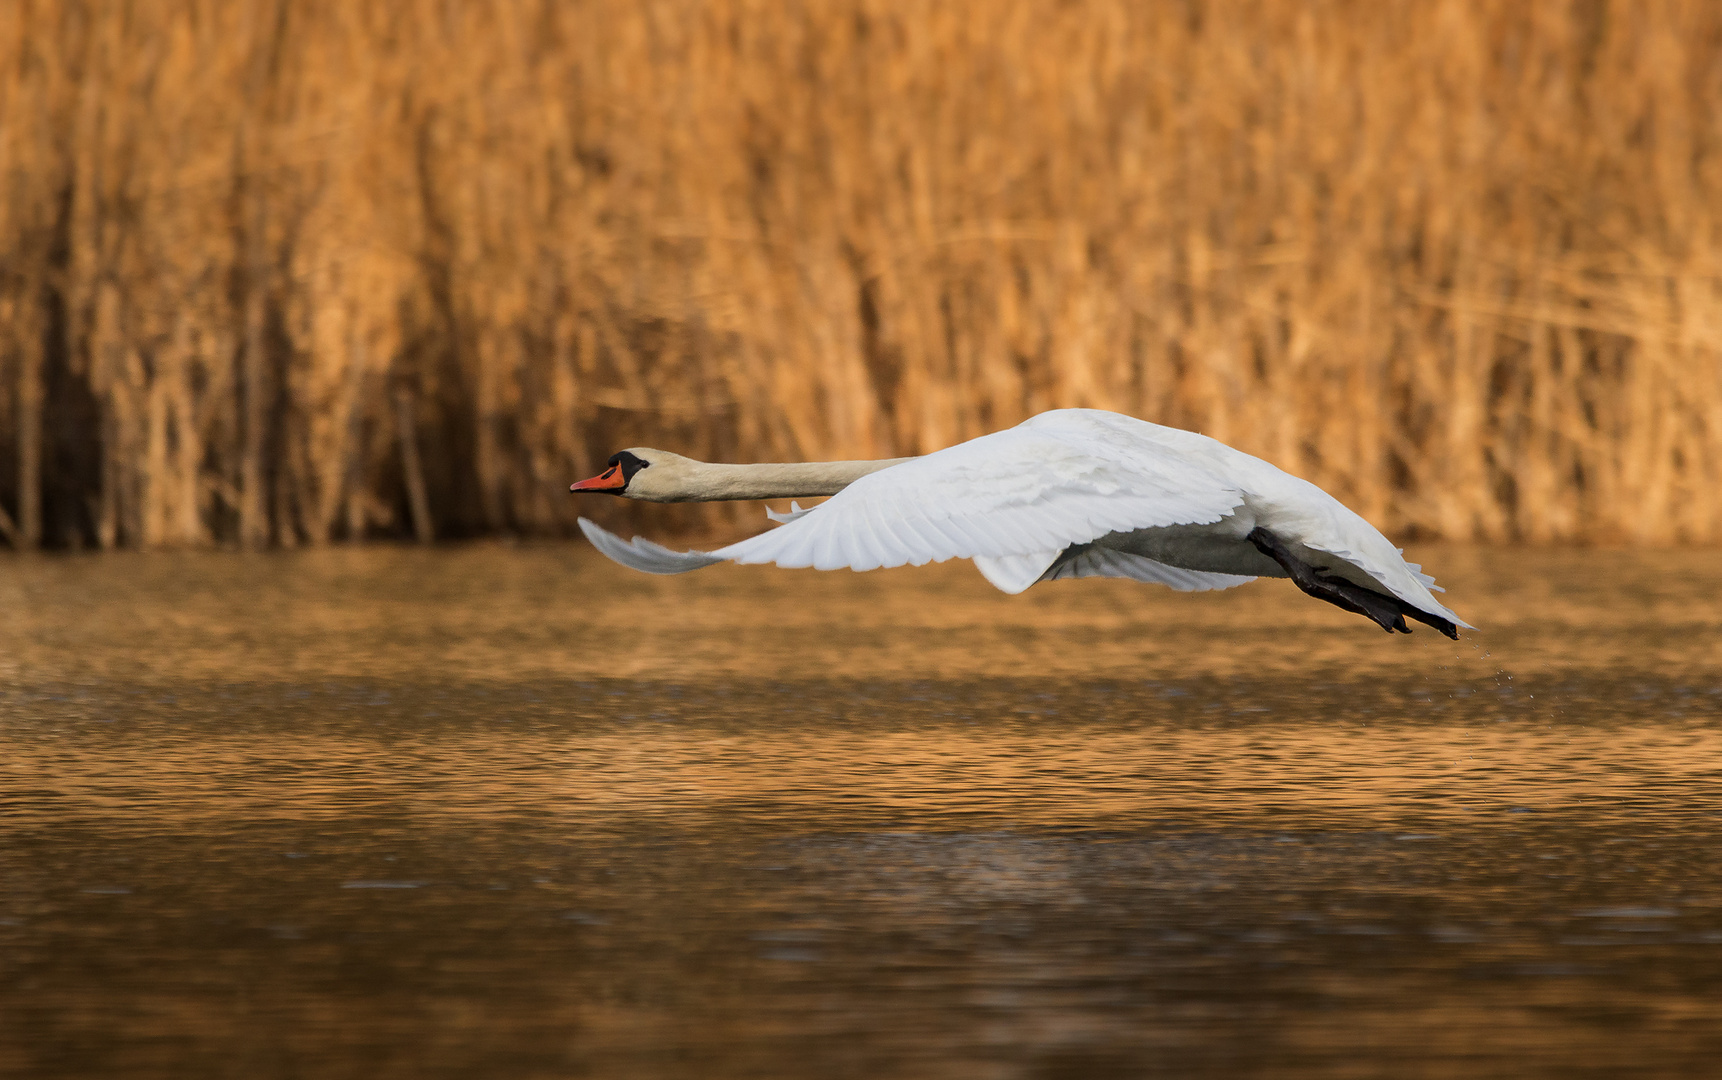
{"x":517,"y":812}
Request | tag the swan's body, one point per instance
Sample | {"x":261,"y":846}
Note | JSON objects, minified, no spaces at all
{"x":1070,"y":493}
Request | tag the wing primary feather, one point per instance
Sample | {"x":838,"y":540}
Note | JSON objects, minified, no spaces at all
{"x":916,"y":551}
{"x":643,"y":555}
{"x":881,"y":551}
{"x":954,"y":538}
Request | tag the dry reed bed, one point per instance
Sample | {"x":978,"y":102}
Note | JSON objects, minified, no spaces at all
{"x":285,"y":272}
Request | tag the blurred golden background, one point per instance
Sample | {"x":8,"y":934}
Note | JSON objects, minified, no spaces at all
{"x":300,"y":271}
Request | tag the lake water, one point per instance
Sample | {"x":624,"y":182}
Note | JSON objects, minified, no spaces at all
{"x":515,"y":811}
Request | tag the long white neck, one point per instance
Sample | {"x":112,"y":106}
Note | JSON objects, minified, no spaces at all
{"x":677,"y":479}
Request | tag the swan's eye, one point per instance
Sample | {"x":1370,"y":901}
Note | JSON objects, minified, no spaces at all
{"x":628,"y":463}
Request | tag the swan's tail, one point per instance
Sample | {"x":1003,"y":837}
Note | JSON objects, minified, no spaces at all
{"x":642,"y":554}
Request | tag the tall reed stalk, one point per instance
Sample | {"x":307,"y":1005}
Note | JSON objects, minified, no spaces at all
{"x":297,"y":271}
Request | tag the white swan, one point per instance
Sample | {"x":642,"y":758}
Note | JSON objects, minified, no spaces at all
{"x":1069,"y":493}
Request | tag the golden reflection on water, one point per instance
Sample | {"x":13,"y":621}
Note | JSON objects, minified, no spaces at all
{"x":492,"y":612}
{"x":1020,"y":755}
{"x":514,"y":810}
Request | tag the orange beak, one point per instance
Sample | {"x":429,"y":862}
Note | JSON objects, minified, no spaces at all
{"x":610,"y":480}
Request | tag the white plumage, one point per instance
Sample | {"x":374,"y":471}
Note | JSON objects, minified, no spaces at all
{"x":1077,"y":493}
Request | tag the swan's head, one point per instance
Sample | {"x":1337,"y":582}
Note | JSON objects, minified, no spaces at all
{"x":641,"y":472}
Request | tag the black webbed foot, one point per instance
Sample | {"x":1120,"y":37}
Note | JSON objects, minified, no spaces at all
{"x":1388,"y":612}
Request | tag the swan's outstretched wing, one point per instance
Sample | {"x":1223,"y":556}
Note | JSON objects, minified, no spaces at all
{"x":1013,"y":501}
